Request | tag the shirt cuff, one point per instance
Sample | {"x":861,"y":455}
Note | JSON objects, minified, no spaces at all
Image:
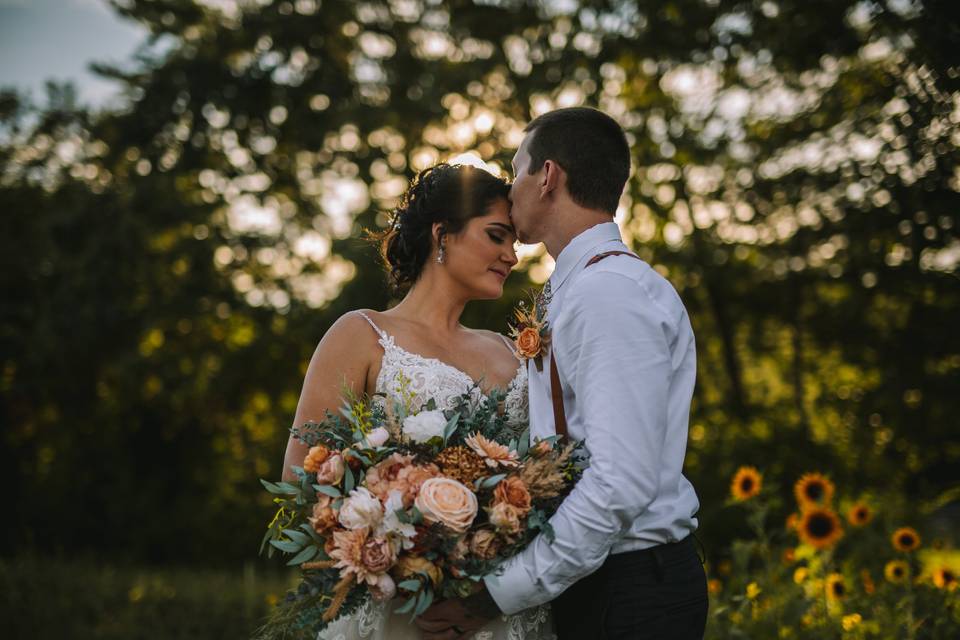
{"x":512,"y":589}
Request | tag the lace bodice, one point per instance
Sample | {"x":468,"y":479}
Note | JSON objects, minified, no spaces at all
{"x":420,"y":378}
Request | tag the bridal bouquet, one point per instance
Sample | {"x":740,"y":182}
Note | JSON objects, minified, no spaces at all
{"x":394,"y":504}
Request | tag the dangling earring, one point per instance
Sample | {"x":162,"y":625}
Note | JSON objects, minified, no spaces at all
{"x":440,"y":255}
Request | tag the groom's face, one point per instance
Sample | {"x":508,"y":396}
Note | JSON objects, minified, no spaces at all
{"x":526,"y":204}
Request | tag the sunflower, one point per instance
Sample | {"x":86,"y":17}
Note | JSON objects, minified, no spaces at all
{"x":859,"y":514}
{"x":896,"y":571}
{"x":820,"y":528}
{"x":813,"y":489}
{"x":746,"y":483}
{"x":793,"y":521}
{"x":868,"y":585}
{"x":836,"y":588}
{"x":945,"y":578}
{"x":905,"y":539}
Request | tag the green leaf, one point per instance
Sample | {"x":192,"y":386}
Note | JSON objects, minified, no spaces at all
{"x":451,"y":427}
{"x":288,"y":489}
{"x":271,"y":487}
{"x":409,"y":585}
{"x":306,"y":555}
{"x":348,"y":480}
{"x":327,"y":490}
{"x":423,"y":601}
{"x":492,"y":481}
{"x":287,"y":546}
{"x":407,"y":606}
{"x":431,"y":405}
{"x":297,"y":536}
{"x":415,"y":515}
{"x":524,"y":445}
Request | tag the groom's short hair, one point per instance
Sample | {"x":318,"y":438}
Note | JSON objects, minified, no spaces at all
{"x":590,"y":146}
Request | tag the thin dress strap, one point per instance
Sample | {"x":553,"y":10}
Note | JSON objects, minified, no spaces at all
{"x":507,"y":341}
{"x":380,"y":332}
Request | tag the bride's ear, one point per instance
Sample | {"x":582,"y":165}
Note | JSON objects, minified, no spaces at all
{"x":438,"y":231}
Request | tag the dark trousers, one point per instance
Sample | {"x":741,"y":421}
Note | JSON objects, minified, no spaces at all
{"x":652,"y":594}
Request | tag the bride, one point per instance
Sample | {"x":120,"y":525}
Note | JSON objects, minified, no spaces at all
{"x":451,"y":242}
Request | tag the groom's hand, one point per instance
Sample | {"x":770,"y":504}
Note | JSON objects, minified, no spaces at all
{"x":455,"y":619}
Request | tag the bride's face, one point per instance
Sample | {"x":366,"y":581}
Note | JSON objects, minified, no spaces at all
{"x":482,"y":255}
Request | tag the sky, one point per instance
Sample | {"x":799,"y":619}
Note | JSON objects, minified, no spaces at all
{"x":58,"y":39}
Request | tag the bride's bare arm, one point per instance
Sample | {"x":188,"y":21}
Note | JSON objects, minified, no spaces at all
{"x":343,"y":357}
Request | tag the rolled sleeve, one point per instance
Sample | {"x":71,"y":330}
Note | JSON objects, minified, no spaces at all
{"x":613,"y":348}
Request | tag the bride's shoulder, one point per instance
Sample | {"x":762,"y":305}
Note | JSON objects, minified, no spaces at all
{"x":357,"y":327}
{"x":493,"y":338}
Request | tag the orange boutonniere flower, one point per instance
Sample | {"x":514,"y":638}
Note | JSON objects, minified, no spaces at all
{"x":530,"y":332}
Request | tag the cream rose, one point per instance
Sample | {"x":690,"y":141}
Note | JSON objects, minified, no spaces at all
{"x":361,"y":509}
{"x":425,"y":425}
{"x":528,"y":343}
{"x":505,"y":517}
{"x":384,"y":589}
{"x":331,"y":471}
{"x":448,"y":502}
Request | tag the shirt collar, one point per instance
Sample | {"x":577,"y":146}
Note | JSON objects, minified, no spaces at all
{"x":582,"y":244}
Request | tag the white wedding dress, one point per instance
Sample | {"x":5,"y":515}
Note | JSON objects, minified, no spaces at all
{"x":427,"y":378}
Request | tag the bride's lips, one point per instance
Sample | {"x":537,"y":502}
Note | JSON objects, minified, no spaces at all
{"x":502,"y":274}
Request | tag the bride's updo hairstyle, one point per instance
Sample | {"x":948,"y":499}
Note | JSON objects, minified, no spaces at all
{"x":448,"y":194}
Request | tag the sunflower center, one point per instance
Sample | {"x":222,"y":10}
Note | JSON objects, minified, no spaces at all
{"x":820,"y":526}
{"x":746,"y":484}
{"x":838,"y":588}
{"x":814,"y":491}
{"x":948,"y":576}
{"x":906,"y":540}
{"x":898,"y":572}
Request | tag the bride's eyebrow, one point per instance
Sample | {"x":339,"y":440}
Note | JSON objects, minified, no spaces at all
{"x":506,"y":227}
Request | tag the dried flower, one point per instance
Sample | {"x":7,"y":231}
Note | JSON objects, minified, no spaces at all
{"x":493,"y":453}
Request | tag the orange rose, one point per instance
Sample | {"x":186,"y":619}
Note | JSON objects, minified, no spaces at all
{"x":448,"y":502}
{"x":315,"y":457}
{"x":528,"y":343}
{"x":324,"y":517}
{"x":514,"y":492}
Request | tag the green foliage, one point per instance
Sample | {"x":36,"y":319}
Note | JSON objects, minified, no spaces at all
{"x":85,"y":599}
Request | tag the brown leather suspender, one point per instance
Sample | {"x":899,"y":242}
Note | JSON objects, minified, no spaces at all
{"x":556,"y":391}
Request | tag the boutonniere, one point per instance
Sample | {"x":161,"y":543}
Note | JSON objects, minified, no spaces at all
{"x":530,"y":332}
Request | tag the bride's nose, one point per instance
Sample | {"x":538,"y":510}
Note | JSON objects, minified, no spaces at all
{"x":510,"y":256}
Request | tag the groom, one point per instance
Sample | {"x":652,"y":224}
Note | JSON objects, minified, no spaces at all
{"x":623,"y":564}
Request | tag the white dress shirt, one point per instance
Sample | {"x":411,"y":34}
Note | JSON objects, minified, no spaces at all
{"x":627,"y":362}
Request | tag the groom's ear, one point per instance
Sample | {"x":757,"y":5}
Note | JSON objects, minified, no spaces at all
{"x":551,"y":178}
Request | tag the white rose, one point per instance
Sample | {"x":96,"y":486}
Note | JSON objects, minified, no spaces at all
{"x":361,"y":509}
{"x":377,"y":437}
{"x":425,"y":425}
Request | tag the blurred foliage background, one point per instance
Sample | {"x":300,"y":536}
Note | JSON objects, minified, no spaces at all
{"x":167,"y":268}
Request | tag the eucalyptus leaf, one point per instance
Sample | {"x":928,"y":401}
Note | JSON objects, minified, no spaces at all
{"x":409,"y":585}
{"x":306,"y":555}
{"x":287,"y":546}
{"x":407,"y":606}
{"x":492,"y":481}
{"x":327,"y":490}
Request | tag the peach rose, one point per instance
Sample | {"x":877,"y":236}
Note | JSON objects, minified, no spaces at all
{"x":315,"y":457}
{"x":413,"y":566}
{"x":448,"y":502}
{"x":377,"y":555}
{"x":483,"y":544}
{"x":331,"y":471}
{"x":514,"y":492}
{"x":541,"y":448}
{"x":528,"y":343}
{"x":506,"y":517}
